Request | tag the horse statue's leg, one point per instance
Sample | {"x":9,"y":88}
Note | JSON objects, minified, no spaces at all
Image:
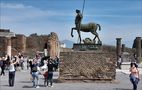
{"x":97,"y":36}
{"x":72,"y":31}
{"x":79,"y":36}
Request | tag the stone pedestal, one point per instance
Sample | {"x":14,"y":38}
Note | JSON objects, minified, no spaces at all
{"x":87,"y":65}
{"x":87,"y":47}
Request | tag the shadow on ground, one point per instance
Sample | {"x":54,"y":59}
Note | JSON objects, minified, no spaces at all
{"x":26,"y":86}
{"x":25,"y":81}
{"x":121,"y":89}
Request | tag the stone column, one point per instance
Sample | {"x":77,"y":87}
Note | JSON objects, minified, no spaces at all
{"x":9,"y":46}
{"x":49,"y":48}
{"x":45,"y":49}
{"x":118,"y":47}
{"x":123,"y":47}
{"x":138,"y":49}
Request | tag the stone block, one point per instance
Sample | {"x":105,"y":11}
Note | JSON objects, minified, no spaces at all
{"x":87,"y":65}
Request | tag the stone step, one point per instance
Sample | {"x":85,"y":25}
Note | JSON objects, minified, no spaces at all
{"x":125,"y":65}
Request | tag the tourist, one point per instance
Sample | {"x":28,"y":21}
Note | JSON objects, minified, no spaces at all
{"x":134,"y":75}
{"x":56,"y":62}
{"x":35,"y":73}
{"x":50,"y":73}
{"x":119,"y":63}
{"x":12,"y":72}
{"x":45,"y":74}
{"x":3,"y":65}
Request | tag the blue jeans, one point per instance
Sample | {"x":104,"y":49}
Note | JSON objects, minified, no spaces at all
{"x":11,"y":78}
{"x":35,"y":79}
{"x":50,"y":78}
{"x":134,"y":80}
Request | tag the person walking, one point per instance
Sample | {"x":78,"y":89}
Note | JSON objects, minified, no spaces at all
{"x":12,"y":72}
{"x":134,"y":75}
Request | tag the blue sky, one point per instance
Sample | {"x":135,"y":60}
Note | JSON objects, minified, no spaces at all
{"x":118,"y":18}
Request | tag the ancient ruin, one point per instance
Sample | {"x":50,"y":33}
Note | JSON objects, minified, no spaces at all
{"x":8,"y":35}
{"x":29,"y":45}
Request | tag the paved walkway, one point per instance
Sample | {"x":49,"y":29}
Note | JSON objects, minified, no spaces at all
{"x":22,"y":82}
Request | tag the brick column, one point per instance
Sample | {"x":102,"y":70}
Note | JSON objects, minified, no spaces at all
{"x":45,"y":49}
{"x":118,"y":47}
{"x":49,"y":48}
{"x":9,"y":46}
{"x":138,"y":49}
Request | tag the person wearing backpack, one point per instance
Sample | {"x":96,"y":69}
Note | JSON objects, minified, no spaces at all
{"x":35,"y":73}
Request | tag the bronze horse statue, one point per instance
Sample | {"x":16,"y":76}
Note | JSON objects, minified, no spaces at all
{"x":90,"y":27}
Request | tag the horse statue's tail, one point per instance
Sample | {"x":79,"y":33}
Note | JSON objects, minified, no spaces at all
{"x":99,"y":26}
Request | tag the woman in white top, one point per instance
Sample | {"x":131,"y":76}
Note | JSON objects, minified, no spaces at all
{"x":12,"y":72}
{"x":134,"y":75}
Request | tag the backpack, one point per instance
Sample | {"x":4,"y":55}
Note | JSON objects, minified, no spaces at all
{"x":34,"y":69}
{"x":45,"y":74}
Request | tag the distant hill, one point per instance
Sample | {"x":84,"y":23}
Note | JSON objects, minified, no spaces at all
{"x":69,"y":44}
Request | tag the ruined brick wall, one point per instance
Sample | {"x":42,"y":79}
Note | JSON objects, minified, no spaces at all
{"x":87,"y":65}
{"x":18,"y":44}
{"x":3,"y":43}
{"x":37,"y":43}
{"x":29,"y":45}
{"x":54,"y":44}
{"x":3,"y":46}
{"x":65,"y":49}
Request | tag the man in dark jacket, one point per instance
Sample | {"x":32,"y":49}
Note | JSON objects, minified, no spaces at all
{"x":50,"y":73}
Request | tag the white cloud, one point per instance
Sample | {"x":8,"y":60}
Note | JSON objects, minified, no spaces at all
{"x":19,"y":12}
{"x":13,"y":6}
